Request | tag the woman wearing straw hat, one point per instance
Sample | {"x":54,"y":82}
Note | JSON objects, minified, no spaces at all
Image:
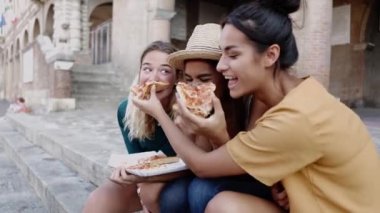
{"x":198,"y":61}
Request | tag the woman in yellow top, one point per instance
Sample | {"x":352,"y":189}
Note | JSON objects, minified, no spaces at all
{"x":315,"y":145}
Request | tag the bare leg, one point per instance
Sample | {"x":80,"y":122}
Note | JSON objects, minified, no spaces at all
{"x":238,"y":202}
{"x":113,"y":198}
{"x":150,"y":194}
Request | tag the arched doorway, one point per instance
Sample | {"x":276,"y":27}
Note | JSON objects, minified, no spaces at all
{"x":3,"y":64}
{"x":36,"y":29}
{"x":372,"y":55}
{"x":191,"y":13}
{"x":9,"y":75}
{"x":49,"y":22}
{"x":100,"y":33}
{"x":25,"y":39}
{"x":16,"y":71}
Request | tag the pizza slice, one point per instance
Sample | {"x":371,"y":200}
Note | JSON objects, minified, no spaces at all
{"x":197,"y":97}
{"x":154,"y":162}
{"x":142,"y":91}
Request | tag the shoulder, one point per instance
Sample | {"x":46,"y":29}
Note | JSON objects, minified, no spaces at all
{"x":121,"y":109}
{"x":122,"y":106}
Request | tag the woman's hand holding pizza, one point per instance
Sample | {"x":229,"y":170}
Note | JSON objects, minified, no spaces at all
{"x":151,"y":106}
{"x":213,"y":126}
{"x":121,"y":176}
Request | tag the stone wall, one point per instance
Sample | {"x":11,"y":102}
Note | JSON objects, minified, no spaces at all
{"x":347,"y":60}
{"x":372,"y":56}
{"x":36,"y":92}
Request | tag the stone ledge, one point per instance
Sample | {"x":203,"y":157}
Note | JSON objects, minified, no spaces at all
{"x":60,"y":104}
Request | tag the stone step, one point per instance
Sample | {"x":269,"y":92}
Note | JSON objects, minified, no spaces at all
{"x":96,"y":88}
{"x":60,"y":188}
{"x":85,"y":150}
{"x":93,"y":77}
{"x":93,"y":68}
{"x":92,"y":100}
{"x":95,"y":101}
{"x":16,"y":195}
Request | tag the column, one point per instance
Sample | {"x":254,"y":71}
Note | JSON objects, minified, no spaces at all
{"x":61,"y":25}
{"x":85,"y":26}
{"x":75,"y":25}
{"x":161,"y":12}
{"x":2,"y":74}
{"x":312,"y":31}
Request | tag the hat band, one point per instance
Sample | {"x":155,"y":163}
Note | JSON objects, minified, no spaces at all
{"x":205,"y":48}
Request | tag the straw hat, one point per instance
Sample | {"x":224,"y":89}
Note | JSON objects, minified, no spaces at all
{"x":202,"y":44}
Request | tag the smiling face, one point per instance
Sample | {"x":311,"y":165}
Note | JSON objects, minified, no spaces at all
{"x":240,"y":63}
{"x":202,"y":71}
{"x":155,"y":67}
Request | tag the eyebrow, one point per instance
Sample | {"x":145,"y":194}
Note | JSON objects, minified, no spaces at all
{"x":201,"y":75}
{"x":229,"y":48}
{"x":166,"y":65}
{"x":163,"y":65}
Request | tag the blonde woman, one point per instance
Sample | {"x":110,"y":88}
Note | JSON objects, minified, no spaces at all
{"x":141,"y":133}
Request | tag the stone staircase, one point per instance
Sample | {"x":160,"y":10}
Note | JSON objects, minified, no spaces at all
{"x":96,"y":83}
{"x":61,"y":159}
{"x":16,"y":195}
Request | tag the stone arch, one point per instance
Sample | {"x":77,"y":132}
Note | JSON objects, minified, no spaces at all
{"x":95,"y":3}
{"x":49,"y":28}
{"x":100,"y":14}
{"x":16,"y":68}
{"x":17,"y":48}
{"x":25,"y":39}
{"x":36,"y":29}
{"x":100,"y":33}
{"x":7,"y":55}
{"x":11,"y":53}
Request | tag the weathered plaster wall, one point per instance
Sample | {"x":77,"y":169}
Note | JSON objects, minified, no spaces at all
{"x":347,"y":61}
{"x":372,"y":59}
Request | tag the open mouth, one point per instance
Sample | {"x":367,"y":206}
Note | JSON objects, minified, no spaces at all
{"x":232,"y":81}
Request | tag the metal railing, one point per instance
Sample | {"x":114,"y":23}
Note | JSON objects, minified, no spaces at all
{"x":101,"y":43}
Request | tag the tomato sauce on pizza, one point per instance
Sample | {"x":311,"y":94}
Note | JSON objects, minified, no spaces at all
{"x":197,"y":97}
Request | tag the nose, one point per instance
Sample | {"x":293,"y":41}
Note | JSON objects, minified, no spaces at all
{"x":155,"y":76}
{"x":222,"y":65}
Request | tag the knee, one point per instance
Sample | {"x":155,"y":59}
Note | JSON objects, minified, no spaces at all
{"x":98,"y":197}
{"x":100,"y":194}
{"x":148,"y":197}
{"x":218,"y":204}
{"x":215,"y":205}
{"x":108,"y":196}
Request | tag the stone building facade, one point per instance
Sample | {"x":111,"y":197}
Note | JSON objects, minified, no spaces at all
{"x":57,"y":52}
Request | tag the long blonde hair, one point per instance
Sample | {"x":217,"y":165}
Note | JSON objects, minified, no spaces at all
{"x":141,"y":125}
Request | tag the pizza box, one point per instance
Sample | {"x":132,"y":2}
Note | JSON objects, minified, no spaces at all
{"x":133,"y":159}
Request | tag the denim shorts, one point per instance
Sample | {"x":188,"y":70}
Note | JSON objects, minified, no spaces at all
{"x":192,"y":194}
